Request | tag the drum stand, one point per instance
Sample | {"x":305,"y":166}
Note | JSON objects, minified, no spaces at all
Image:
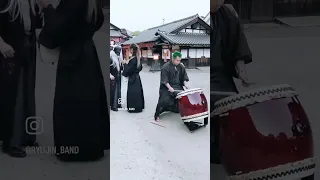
{"x":193,"y":125}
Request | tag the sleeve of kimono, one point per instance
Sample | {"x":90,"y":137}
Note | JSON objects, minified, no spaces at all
{"x":100,"y":18}
{"x":243,"y":51}
{"x":59,"y":24}
{"x":129,"y":68}
{"x":164,"y":77}
{"x":111,"y":61}
{"x":38,"y":18}
{"x":185,"y":74}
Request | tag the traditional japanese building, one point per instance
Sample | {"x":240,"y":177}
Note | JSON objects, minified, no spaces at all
{"x":268,"y":10}
{"x":117,"y":35}
{"x":190,"y":36}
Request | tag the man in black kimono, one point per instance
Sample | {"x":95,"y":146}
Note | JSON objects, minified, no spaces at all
{"x":173,"y":79}
{"x":115,"y":78}
{"x":230,"y":52}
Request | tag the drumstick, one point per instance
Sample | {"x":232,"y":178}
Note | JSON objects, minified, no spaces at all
{"x":222,"y":93}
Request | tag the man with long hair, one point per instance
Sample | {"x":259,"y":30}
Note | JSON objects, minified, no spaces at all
{"x":115,"y":77}
{"x":173,"y":79}
{"x":230,"y":52}
{"x":17,"y":75}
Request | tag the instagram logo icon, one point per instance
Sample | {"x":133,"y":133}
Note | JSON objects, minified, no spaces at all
{"x":34,"y":125}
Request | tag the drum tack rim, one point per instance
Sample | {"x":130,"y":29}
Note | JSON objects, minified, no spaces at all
{"x":296,"y":170}
{"x":195,"y":117}
{"x":252,"y":97}
{"x":188,"y":91}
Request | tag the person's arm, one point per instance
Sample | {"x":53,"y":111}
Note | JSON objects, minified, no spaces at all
{"x":241,"y":66}
{"x":242,"y":50}
{"x":185,"y":76}
{"x":168,"y":85}
{"x":164,"y":79}
{"x":129,"y":68}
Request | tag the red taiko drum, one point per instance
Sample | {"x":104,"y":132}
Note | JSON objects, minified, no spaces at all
{"x":265,"y":134}
{"x":193,"y":105}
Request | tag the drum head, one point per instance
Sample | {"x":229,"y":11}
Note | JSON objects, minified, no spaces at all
{"x":252,"y":97}
{"x":189,"y":91}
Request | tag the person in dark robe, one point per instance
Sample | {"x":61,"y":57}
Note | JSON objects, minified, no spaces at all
{"x":115,"y":78}
{"x":173,"y":79}
{"x":230,"y":52}
{"x":131,"y":70}
{"x":80,"y":116}
{"x":17,"y":75}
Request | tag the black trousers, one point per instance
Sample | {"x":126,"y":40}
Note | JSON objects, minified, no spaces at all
{"x":18,"y":97}
{"x":167,"y":101}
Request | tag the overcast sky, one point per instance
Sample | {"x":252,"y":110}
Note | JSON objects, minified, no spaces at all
{"x":139,"y":15}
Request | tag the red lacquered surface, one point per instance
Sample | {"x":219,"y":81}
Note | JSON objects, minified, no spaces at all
{"x":265,"y":135}
{"x":193,"y":104}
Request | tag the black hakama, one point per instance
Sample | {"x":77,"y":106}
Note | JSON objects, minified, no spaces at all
{"x":81,"y":115}
{"x":135,"y":96}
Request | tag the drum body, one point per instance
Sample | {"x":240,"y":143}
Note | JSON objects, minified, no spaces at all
{"x":267,"y":138}
{"x":193,"y":105}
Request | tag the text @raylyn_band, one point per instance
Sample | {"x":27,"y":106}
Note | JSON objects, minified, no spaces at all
{"x":121,"y":102}
{"x":53,"y":150}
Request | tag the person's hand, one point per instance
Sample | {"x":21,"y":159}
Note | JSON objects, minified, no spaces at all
{"x":185,"y":85}
{"x":111,"y":77}
{"x":43,"y":3}
{"x":171,"y":89}
{"x":243,"y":76}
{"x":6,"y":50}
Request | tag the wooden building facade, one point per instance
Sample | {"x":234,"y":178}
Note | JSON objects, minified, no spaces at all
{"x":268,"y":10}
{"x":117,"y":35}
{"x":190,"y":36}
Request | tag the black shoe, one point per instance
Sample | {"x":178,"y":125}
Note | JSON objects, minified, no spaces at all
{"x":31,"y":144}
{"x":114,"y":109}
{"x":16,"y":152}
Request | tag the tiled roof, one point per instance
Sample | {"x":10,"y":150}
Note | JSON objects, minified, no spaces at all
{"x":191,"y":39}
{"x":149,"y":34}
{"x":115,"y":27}
{"x":114,"y":33}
